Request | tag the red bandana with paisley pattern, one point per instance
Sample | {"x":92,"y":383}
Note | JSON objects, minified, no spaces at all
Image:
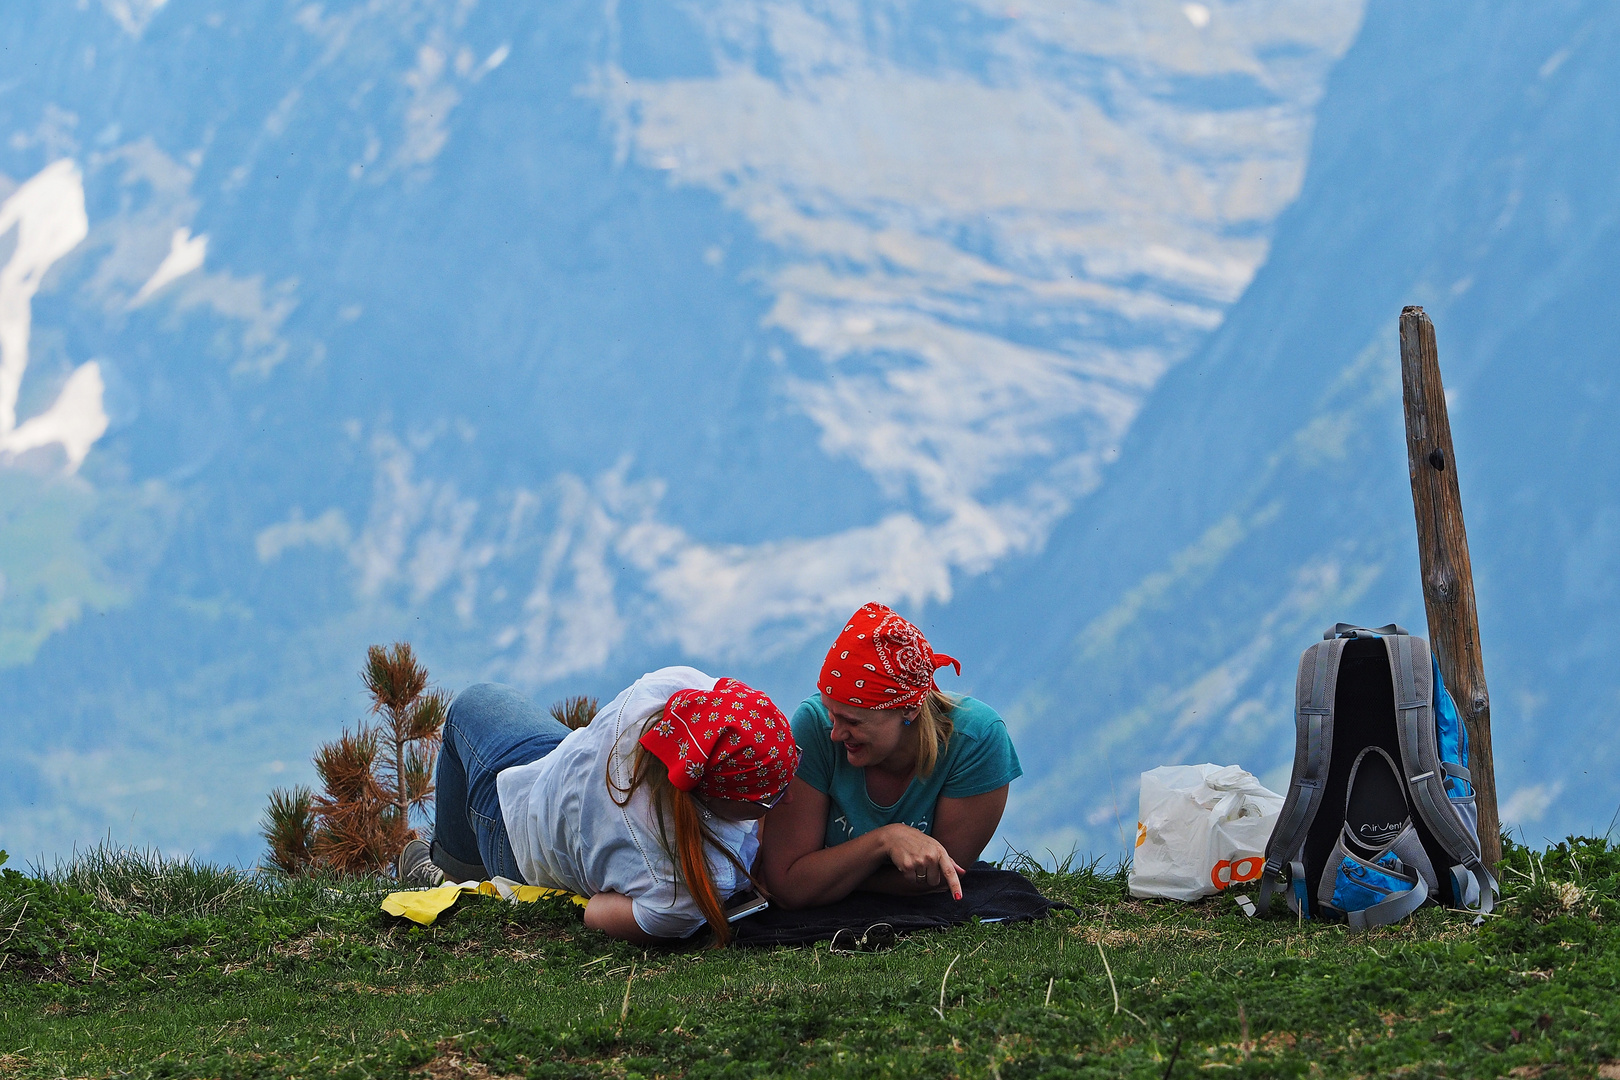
{"x":881,"y":661}
{"x":731,"y":742}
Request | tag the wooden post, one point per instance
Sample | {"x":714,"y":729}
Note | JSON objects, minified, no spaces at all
{"x":1448,"y":575}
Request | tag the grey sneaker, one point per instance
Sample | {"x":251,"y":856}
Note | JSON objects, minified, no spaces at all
{"x":416,"y":869}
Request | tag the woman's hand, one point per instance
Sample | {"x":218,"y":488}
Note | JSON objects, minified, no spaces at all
{"x":799,"y":871}
{"x":921,"y":861}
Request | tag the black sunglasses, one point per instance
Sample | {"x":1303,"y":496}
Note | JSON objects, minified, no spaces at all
{"x":773,"y":800}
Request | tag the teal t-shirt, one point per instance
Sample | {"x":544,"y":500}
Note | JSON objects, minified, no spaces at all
{"x":978,"y":758}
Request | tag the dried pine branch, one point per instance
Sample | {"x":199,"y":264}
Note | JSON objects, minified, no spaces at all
{"x":353,"y":837}
{"x":356,"y":837}
{"x":574,"y":712}
{"x":345,"y":766}
{"x":394,"y":678}
{"x":427,"y":716}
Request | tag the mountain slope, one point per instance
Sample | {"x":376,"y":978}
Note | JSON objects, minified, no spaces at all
{"x":1459,"y":162}
{"x":566,"y":340}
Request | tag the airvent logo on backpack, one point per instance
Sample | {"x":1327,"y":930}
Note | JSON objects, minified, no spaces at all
{"x":1376,"y":835}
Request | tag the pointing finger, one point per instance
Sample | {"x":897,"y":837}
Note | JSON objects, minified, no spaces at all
{"x":952,"y":880}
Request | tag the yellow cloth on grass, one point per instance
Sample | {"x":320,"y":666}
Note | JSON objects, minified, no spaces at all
{"x":422,"y":906}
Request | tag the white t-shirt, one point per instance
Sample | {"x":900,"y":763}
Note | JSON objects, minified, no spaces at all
{"x":568,"y":833}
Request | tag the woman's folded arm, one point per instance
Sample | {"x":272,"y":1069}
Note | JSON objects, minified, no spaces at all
{"x":614,"y":914}
{"x":801,"y":871}
{"x":965,"y":826}
{"x":797,"y":868}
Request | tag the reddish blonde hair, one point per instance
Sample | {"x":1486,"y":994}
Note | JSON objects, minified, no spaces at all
{"x":691,"y":836}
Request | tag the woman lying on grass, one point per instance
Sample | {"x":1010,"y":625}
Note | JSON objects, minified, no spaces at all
{"x":650,"y":810}
{"x":901,"y":786}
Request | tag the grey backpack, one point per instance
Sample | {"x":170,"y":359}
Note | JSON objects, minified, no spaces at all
{"x":1379,"y":817}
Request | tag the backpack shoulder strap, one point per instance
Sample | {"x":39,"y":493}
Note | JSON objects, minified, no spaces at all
{"x":1412,"y":672}
{"x":1314,"y":691}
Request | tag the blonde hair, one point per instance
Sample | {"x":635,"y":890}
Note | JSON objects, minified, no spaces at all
{"x":691,"y":834}
{"x":934,"y":727}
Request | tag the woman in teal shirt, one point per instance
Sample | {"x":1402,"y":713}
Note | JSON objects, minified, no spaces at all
{"x":900,"y":786}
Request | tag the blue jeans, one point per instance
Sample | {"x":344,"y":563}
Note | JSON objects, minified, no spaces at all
{"x":489,"y":728}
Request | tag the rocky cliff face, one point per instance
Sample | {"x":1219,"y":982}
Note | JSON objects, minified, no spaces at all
{"x":1461,"y":163}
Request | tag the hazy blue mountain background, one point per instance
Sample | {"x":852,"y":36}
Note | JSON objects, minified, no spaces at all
{"x":567,"y":340}
{"x":1465,"y":158}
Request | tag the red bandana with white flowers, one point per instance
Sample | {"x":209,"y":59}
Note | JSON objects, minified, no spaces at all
{"x":881,"y":661}
{"x":731,"y":742}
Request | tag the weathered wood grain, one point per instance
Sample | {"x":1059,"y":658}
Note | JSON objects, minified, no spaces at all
{"x":1448,"y":576}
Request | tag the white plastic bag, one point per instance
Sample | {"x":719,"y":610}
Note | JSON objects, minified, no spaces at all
{"x":1203,"y":828}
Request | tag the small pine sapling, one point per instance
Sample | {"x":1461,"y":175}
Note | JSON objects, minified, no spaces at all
{"x":412,"y":718}
{"x":371,"y":778}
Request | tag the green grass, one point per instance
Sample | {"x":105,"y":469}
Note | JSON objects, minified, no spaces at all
{"x":123,"y":964}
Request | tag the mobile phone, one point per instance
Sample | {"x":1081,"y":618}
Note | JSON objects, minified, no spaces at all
{"x":746,"y":905}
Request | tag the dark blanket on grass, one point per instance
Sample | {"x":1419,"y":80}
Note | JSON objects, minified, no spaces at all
{"x":870,"y":920}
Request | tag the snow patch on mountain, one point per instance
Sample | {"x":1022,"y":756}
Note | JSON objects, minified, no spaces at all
{"x":995,"y":266}
{"x":47,"y":217}
{"x":133,"y":15}
{"x":186,"y":254}
{"x":992,"y":264}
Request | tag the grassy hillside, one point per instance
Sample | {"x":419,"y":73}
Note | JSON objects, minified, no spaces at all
{"x":121,"y":965}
